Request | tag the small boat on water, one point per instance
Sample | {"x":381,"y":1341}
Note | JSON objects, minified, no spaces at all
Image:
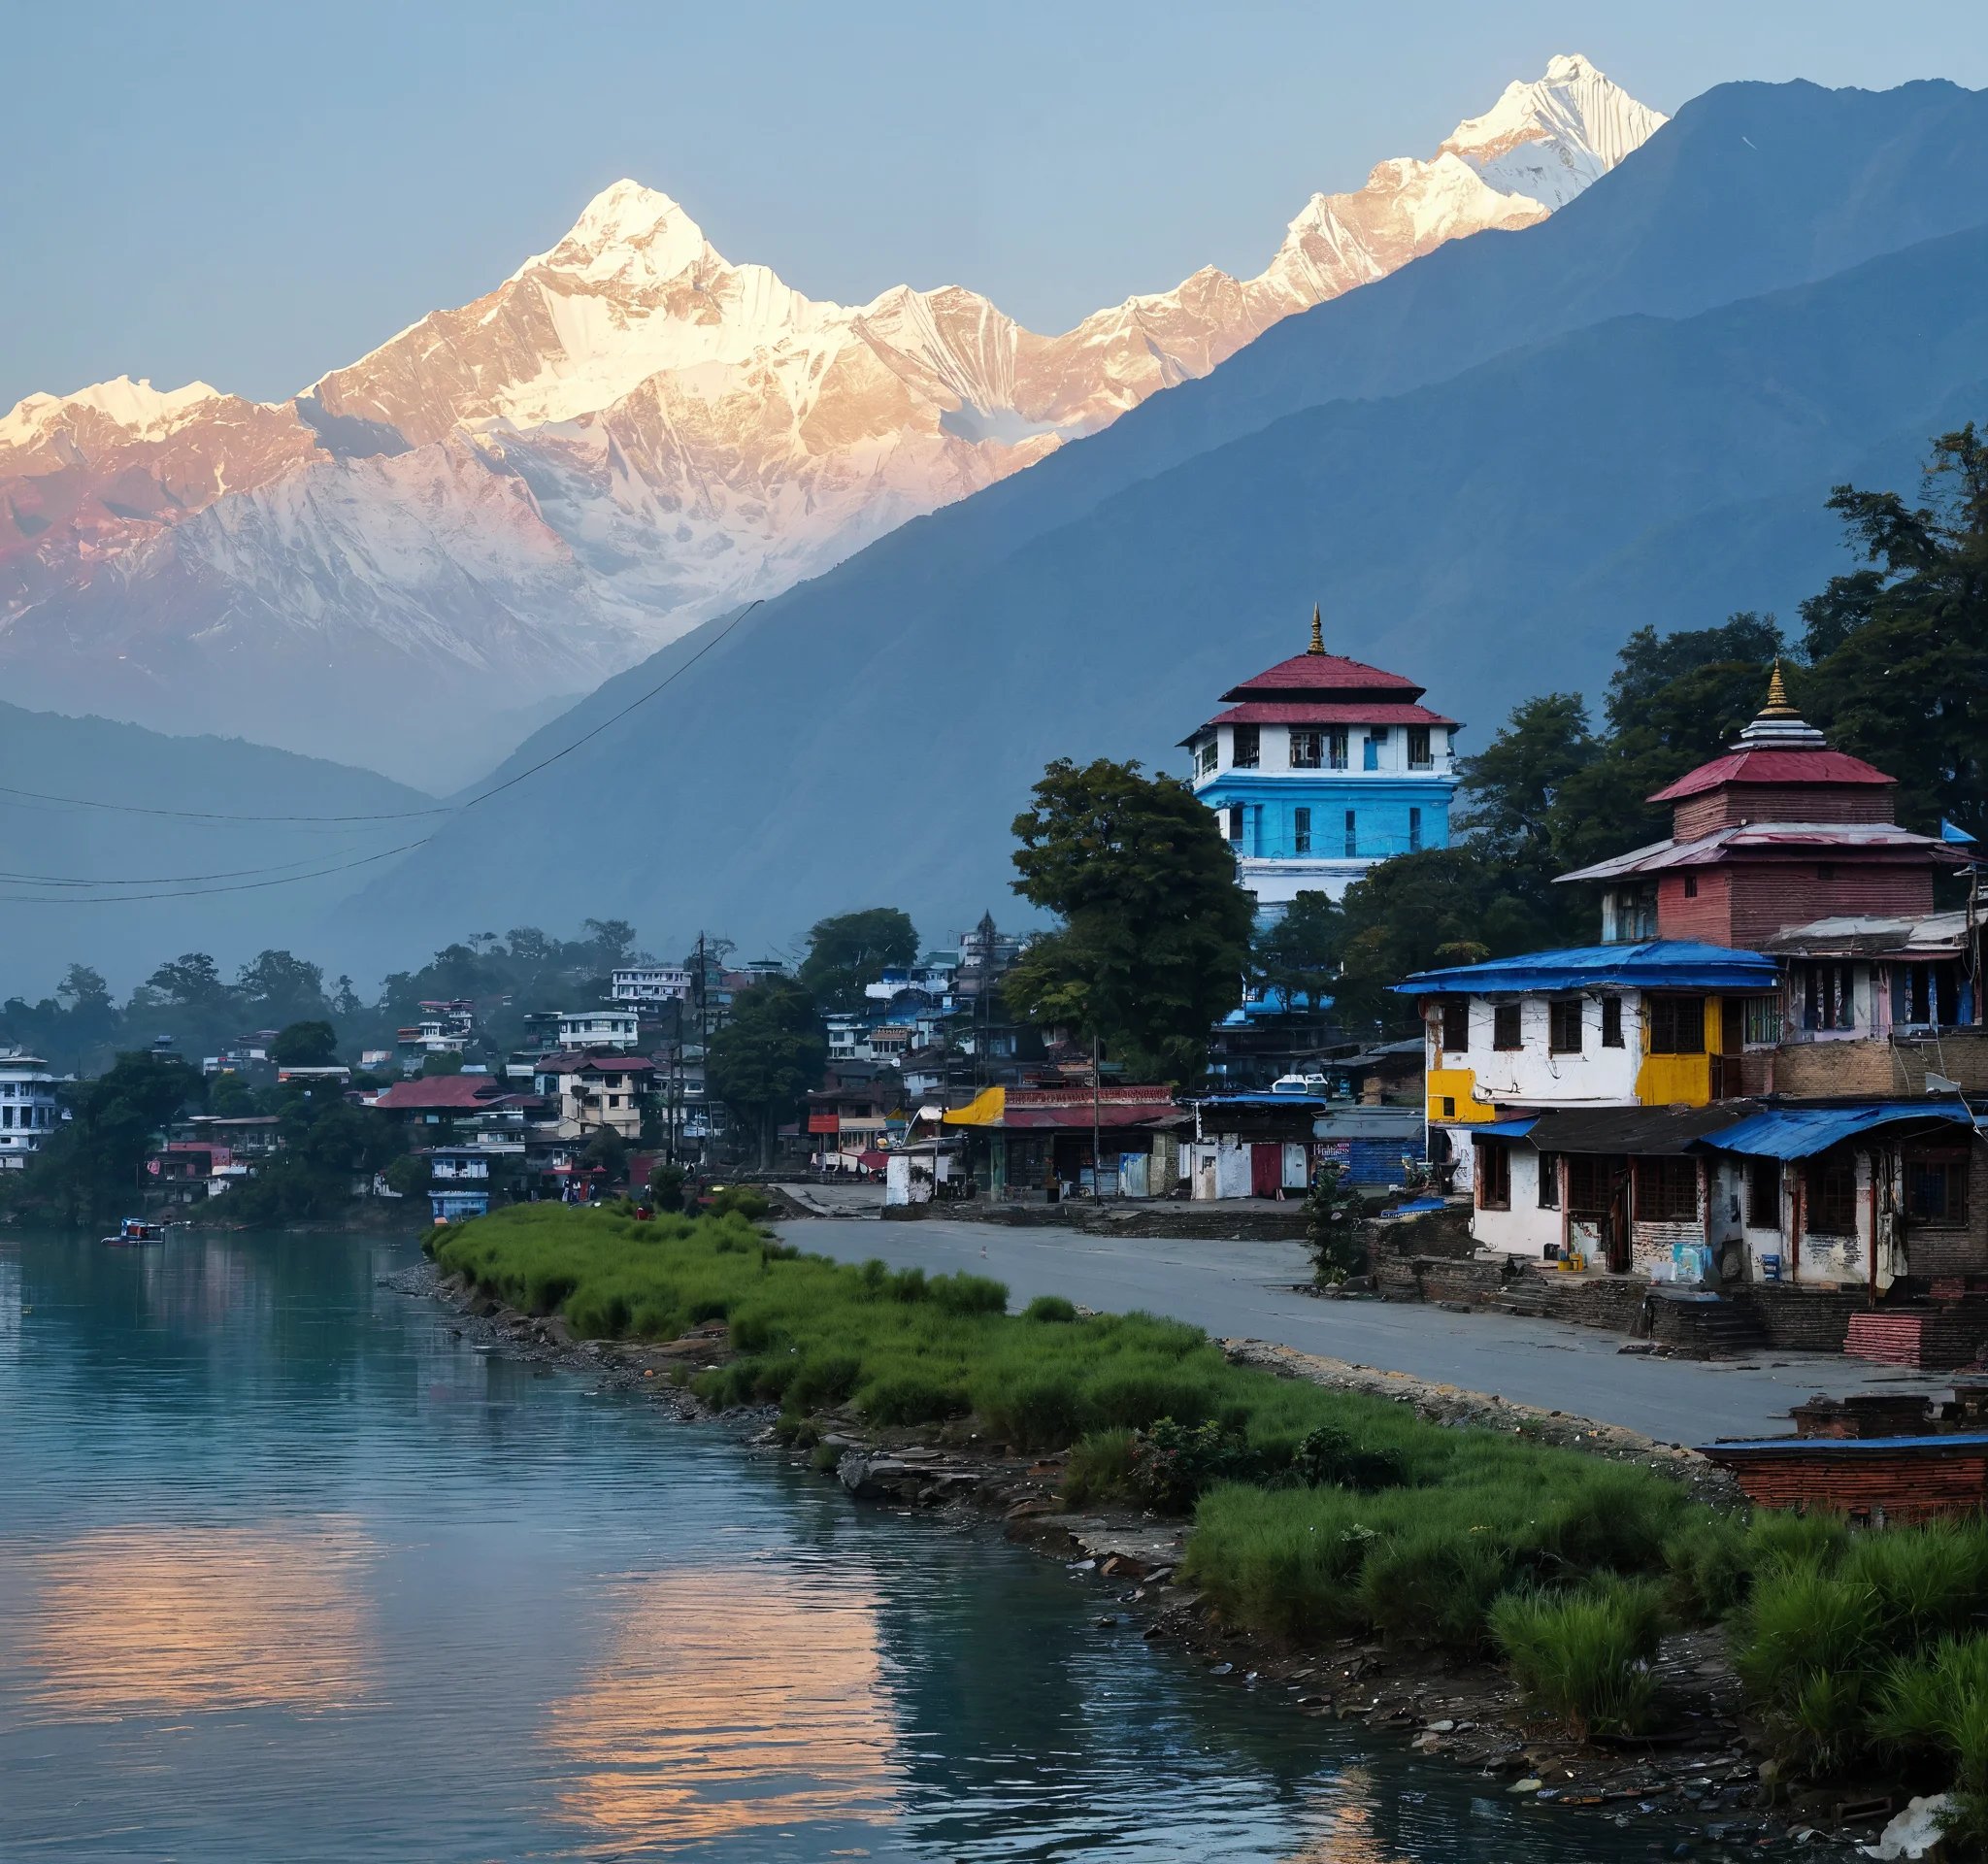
{"x":135,"y":1230}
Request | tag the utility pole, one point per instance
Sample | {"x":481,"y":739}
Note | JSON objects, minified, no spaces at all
{"x":1097,"y":1125}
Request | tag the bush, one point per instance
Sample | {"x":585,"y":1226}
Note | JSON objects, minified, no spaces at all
{"x":1035,"y":1409}
{"x":739,"y":1200}
{"x":1051,"y":1307}
{"x":1172,"y":1464}
{"x":666,"y":1186}
{"x":1707,"y":1564}
{"x":1328,"y":1455}
{"x":967,"y":1294}
{"x":1583,"y":1657}
{"x":824,"y":1378}
{"x":1434,"y":1585}
{"x":1099,"y":1469}
{"x":911,"y":1397}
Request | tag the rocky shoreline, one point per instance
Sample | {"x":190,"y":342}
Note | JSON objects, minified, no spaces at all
{"x":1700,"y":1778}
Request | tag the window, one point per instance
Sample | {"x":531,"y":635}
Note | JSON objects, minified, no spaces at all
{"x":1448,"y":1106}
{"x":1667,"y":1190}
{"x":1691,"y":886}
{"x":1494,"y":1175}
{"x":1505,"y":1026}
{"x":1204,"y":758}
{"x":1591,"y":1184}
{"x":1235,"y":824}
{"x":1676,"y":1025}
{"x":1763,"y":1193}
{"x":1307,"y":751}
{"x":1419,"y":758}
{"x":1760,"y":1021}
{"x":1335,"y":747}
{"x":1301,"y":831}
{"x":1456,"y":1025}
{"x":1415,"y":831}
{"x":1353,"y":837}
{"x":1937,"y":1187}
{"x":1827,"y":996}
{"x":1563,"y":1026}
{"x":1549,"y":1181}
{"x":1830,"y":1193}
{"x":1249,"y":747}
{"x":1611,"y":1022}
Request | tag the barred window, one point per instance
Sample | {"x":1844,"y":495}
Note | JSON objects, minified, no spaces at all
{"x":1456,"y":1025}
{"x":1937,"y":1187}
{"x":1549,"y":1181}
{"x":1591,"y":1184}
{"x":1763,"y":1193}
{"x":1494,"y":1175}
{"x":1676,"y":1025}
{"x":1667,"y":1190}
{"x":1248,"y":742}
{"x":1504,"y":1027}
{"x":1308,"y":750}
{"x":1564,"y":1026}
{"x":1611,"y":1022}
{"x":1830,"y":1191}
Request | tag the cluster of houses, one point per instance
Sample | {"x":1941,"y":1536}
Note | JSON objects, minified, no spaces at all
{"x":1762,"y":1073}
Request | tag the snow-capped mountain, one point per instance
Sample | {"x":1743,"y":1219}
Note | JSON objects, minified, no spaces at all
{"x":628,"y":435}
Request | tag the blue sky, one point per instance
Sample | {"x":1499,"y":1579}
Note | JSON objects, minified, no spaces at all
{"x":252,"y":193}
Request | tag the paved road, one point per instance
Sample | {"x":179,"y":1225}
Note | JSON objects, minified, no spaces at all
{"x":1247,"y":1290}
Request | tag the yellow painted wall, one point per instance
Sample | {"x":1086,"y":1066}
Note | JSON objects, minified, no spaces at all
{"x":1461,"y":1086}
{"x":1680,"y":1080}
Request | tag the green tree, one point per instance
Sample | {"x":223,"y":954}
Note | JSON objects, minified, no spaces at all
{"x":93,"y":1162}
{"x":1511,"y":786}
{"x":767,"y":1055}
{"x":410,"y":1174}
{"x":441,"y":1061}
{"x":1155,"y":932}
{"x":230,"y":1097}
{"x":1303,"y":948}
{"x":305,"y":1045}
{"x":278,"y":987}
{"x":1899,"y":653}
{"x":608,"y":1152}
{"x":328,"y":1146}
{"x":848,"y":950}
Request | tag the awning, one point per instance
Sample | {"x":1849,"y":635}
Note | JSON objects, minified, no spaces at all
{"x":1502,"y":1128}
{"x":872,"y":1161}
{"x":1801,"y":1132}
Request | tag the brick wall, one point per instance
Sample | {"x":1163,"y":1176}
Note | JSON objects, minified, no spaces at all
{"x":1722,"y":808}
{"x":1770,"y":896}
{"x":1815,"y":1070}
{"x":1811,"y":1319}
{"x":1707,"y":918}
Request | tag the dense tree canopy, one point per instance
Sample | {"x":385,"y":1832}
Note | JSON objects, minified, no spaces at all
{"x":93,"y":1164}
{"x":767,"y":1055}
{"x":847,"y":950}
{"x":1154,"y":938}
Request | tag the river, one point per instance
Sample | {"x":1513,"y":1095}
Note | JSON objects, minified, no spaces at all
{"x":288,"y":1571}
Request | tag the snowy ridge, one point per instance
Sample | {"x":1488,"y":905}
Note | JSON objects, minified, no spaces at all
{"x":631,"y":433}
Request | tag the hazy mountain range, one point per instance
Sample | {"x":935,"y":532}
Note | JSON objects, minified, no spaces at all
{"x":412,"y":558}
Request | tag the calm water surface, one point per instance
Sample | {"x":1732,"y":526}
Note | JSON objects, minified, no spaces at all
{"x":287,"y":1570}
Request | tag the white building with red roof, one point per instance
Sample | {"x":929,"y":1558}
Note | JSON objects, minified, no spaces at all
{"x":1319,"y":768}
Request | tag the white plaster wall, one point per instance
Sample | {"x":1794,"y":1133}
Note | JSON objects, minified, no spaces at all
{"x":1530,"y":1076}
{"x":1525,"y":1229}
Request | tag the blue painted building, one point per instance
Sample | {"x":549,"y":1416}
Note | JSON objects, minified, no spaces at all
{"x":1321,"y":767}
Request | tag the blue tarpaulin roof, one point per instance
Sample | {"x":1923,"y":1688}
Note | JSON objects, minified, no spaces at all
{"x":1659,"y":964}
{"x":1800,"y":1132}
{"x":1501,"y":1128}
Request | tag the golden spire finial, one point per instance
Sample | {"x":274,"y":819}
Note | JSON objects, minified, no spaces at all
{"x":1317,"y":632}
{"x":1777,"y":705}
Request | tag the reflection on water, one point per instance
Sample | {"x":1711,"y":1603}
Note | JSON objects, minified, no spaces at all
{"x":718,"y":1708}
{"x":289,"y":1571}
{"x":148,"y":1621}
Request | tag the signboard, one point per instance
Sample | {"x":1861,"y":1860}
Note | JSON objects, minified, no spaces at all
{"x":825,"y":1123}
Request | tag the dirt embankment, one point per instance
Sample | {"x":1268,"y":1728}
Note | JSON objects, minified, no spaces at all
{"x":1698,"y":1777}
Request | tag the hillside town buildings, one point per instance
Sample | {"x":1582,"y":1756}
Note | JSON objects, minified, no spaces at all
{"x":1321,"y":767}
{"x":28,"y":1108}
{"x":1760,"y":1076}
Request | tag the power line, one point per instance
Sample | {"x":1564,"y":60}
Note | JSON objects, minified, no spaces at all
{"x":252,"y":886}
{"x":156,"y":879}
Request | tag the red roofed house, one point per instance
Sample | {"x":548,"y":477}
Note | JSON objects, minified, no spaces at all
{"x":1777,"y":833}
{"x":1321,"y":767}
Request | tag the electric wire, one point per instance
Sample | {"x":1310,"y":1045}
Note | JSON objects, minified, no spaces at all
{"x":252,"y":885}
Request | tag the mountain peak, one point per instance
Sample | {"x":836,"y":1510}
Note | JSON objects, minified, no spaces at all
{"x":1551,"y":138}
{"x":135,"y":406}
{"x":627,"y":232}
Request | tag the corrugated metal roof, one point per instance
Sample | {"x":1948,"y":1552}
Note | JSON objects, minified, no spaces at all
{"x":1650,"y":1132}
{"x":1832,"y":1446}
{"x":1773,"y":767}
{"x":1756,"y":840}
{"x":1801,"y":1132}
{"x":1679,"y":964}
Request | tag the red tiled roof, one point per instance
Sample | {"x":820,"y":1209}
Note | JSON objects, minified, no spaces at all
{"x":1309,"y":673}
{"x":576,"y":1061}
{"x":1290,"y":712}
{"x":433,"y":1093}
{"x":1773,"y":767}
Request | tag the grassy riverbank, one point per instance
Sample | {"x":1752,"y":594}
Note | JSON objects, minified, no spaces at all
{"x":1319,"y":1514}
